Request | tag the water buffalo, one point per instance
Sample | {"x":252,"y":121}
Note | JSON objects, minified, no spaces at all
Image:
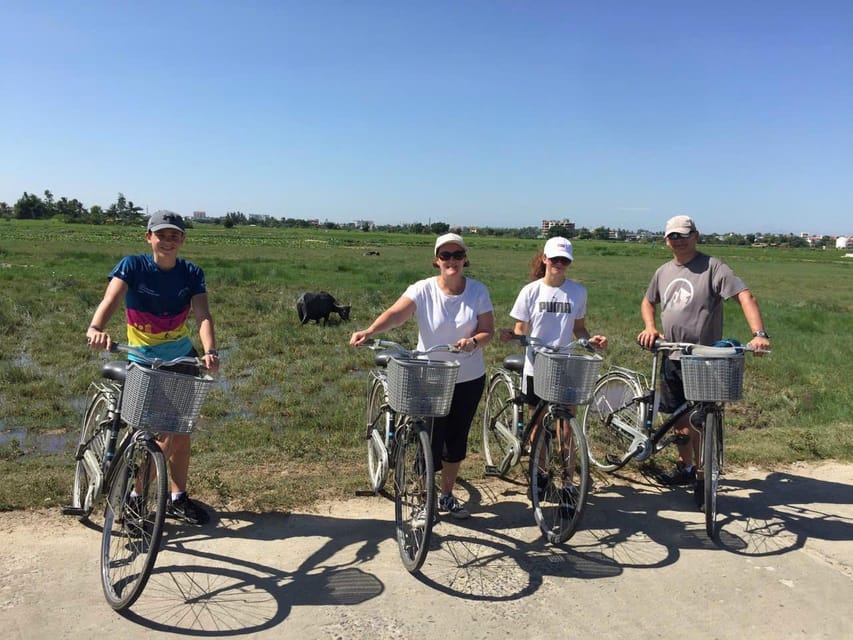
{"x":314,"y":305}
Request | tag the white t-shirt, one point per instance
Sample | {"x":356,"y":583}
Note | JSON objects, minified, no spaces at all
{"x":444,"y":319}
{"x":550,"y":313}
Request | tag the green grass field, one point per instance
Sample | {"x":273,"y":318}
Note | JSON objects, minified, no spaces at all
{"x":283,"y":427}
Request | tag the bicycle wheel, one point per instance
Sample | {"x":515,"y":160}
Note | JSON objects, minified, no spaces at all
{"x":90,"y":454}
{"x":611,"y":407}
{"x":133,"y":524}
{"x":500,"y":445}
{"x":559,"y":477}
{"x":377,"y":453}
{"x":712,"y":460}
{"x":414,"y":495}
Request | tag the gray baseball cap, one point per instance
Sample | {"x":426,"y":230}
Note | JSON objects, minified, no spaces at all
{"x":165,"y":220}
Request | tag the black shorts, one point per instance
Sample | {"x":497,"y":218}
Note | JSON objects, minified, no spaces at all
{"x":529,"y":393}
{"x":450,"y":433}
{"x":671,"y":386}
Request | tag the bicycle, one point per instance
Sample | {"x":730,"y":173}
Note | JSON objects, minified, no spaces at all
{"x":558,"y":469}
{"x":117,"y":455}
{"x":404,"y":392}
{"x":619,"y":421}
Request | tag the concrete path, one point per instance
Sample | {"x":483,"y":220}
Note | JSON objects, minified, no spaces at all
{"x":640,"y":567}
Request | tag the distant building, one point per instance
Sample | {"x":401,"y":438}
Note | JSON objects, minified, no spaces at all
{"x":547,"y":224}
{"x":843,"y":242}
{"x":199,"y":215}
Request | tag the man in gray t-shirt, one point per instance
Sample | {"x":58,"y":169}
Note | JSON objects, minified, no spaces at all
{"x":690,"y":290}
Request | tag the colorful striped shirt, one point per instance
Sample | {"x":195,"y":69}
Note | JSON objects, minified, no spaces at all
{"x":158,"y":303}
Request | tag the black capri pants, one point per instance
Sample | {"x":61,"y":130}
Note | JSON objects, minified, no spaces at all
{"x":450,"y":433}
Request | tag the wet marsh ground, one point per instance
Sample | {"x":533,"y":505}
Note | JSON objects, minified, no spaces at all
{"x":283,"y":426}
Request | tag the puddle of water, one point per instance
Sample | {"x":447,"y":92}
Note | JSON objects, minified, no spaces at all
{"x":50,"y":443}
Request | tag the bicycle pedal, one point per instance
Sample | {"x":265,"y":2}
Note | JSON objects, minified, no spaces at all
{"x":491,"y":470}
{"x":72,"y":511}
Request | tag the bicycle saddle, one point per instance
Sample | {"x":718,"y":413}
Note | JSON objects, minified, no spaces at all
{"x":115,"y":370}
{"x":514,"y":362}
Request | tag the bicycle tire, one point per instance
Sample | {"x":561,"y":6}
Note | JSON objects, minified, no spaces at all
{"x":501,"y":447}
{"x":414,"y":495}
{"x":93,"y":438}
{"x":613,"y":403}
{"x":558,"y":478}
{"x":377,"y":452}
{"x":132,"y":529}
{"x":712,"y":459}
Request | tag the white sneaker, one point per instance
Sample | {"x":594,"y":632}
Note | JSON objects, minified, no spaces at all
{"x":419,"y":520}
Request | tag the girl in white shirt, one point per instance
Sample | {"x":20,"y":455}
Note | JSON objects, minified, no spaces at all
{"x":551,"y":307}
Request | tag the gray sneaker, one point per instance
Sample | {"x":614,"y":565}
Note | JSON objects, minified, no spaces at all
{"x":449,"y":504}
{"x":419,"y":520}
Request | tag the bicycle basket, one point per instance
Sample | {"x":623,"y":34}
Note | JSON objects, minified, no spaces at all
{"x":565,"y":378}
{"x":162,"y":401}
{"x":710,"y":379}
{"x":421,"y":387}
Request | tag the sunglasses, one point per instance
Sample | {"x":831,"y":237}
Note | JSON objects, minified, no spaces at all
{"x":560,"y":260}
{"x":447,"y":255}
{"x":679,"y":236}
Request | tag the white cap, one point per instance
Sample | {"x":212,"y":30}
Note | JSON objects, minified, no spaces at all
{"x":679,"y":224}
{"x":447,"y":238}
{"x":558,"y":247}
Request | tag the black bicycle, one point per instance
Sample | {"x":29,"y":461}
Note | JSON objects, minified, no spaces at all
{"x":619,"y":421}
{"x":118,"y":457}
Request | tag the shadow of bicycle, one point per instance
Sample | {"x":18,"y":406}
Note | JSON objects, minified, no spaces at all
{"x":783,"y":511}
{"x":498,"y":553}
{"x":197,"y":590}
{"x":646,"y":524}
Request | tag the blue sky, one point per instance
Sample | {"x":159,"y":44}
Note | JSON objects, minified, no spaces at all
{"x":495,"y":113}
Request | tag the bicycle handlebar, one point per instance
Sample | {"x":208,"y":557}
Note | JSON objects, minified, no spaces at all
{"x":155,"y":363}
{"x":690,"y":348}
{"x":381,"y":345}
{"x":538,"y":343}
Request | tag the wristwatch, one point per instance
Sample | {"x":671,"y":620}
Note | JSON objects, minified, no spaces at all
{"x":211,"y":352}
{"x":760,"y":334}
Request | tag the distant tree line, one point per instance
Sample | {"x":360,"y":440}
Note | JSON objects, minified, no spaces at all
{"x":125,"y":212}
{"x":32,"y":207}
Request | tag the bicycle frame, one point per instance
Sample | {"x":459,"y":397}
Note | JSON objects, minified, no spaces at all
{"x":102,"y":472}
{"x":649,"y":441}
{"x":518,"y":403}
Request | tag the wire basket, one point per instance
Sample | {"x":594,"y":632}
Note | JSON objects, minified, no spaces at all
{"x":565,"y":378}
{"x":162,"y":401}
{"x":709,"y":379}
{"x":421,"y":387}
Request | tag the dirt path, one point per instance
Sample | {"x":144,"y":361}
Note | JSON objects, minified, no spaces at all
{"x":783,"y":568}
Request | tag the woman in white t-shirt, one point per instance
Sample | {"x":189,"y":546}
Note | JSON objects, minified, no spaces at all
{"x":551,"y":307}
{"x":450,"y":309}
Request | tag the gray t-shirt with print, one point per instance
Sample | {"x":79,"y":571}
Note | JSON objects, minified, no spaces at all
{"x":691,"y":297}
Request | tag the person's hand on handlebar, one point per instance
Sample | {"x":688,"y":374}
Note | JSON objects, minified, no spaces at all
{"x":647,"y":338}
{"x":598,"y":342}
{"x":507,"y":334}
{"x":466,"y":344}
{"x":359,"y":337}
{"x":759,"y":345}
{"x":98,"y":340}
{"x":211,"y":362}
